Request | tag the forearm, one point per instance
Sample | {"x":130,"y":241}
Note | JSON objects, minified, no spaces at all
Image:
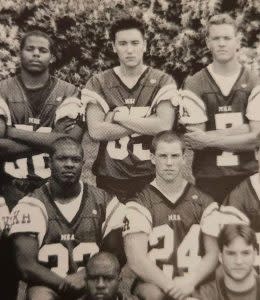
{"x":106,"y":131}
{"x":10,"y":150}
{"x":148,"y":271}
{"x":36,"y":274}
{"x":239,"y":142}
{"x":145,"y":126}
{"x":39,"y":140}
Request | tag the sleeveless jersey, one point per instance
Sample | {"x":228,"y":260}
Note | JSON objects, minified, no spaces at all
{"x":173,"y":228}
{"x":65,"y":246}
{"x":220,"y":112}
{"x":15,"y":107}
{"x":128,"y":157}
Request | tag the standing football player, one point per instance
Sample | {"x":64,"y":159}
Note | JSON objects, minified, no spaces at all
{"x":28,"y":104}
{"x":59,"y":226}
{"x":128,"y":104}
{"x":214,"y":109}
{"x":237,"y":245}
{"x":162,"y":228}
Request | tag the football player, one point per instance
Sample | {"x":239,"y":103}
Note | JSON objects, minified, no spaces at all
{"x":28,"y":103}
{"x":103,"y":278}
{"x":214,"y":109}
{"x":162,"y":228}
{"x":246,"y":198}
{"x":127,"y":105}
{"x":59,"y":226}
{"x":238,"y":245}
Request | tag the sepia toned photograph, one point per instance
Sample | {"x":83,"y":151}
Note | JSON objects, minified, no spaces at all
{"x":129,"y":150}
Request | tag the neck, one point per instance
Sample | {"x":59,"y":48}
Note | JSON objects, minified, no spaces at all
{"x":171,"y":187}
{"x":34,"y":81}
{"x":227,"y":68}
{"x":131,"y":72}
{"x":64,"y":192}
{"x":240,"y":286}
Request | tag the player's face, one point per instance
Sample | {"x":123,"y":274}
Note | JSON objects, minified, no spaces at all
{"x":168,"y":160}
{"x":36,"y":55}
{"x":223,"y":42}
{"x":130,"y":47}
{"x":102,"y":281}
{"x":238,"y":259}
{"x":66,"y":164}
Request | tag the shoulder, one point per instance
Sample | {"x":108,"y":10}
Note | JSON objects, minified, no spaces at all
{"x":198,"y":197}
{"x":68,"y":88}
{"x":101,"y":78}
{"x":158,"y":77}
{"x":7,"y":85}
{"x":207,"y":291}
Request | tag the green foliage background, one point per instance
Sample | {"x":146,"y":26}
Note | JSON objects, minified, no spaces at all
{"x":80,"y":29}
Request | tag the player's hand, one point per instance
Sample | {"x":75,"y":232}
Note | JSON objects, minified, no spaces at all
{"x":77,"y":282}
{"x":64,"y":125}
{"x":182,"y":287}
{"x":121,"y":113}
{"x":110,"y":116}
{"x":196,"y":140}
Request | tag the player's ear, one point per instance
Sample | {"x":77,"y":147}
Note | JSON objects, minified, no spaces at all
{"x":53,"y":59}
{"x":152,"y":156}
{"x":208,"y":43}
{"x":145,"y":45}
{"x":114,"y":47}
{"x":220,"y":257}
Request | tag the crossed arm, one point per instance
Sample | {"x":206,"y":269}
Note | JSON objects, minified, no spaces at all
{"x":241,"y":138}
{"x":20,"y":143}
{"x":115,"y":125}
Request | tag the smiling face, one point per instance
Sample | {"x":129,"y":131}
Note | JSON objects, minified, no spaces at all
{"x":130,"y":47}
{"x":237,"y":259}
{"x":36,"y":55}
{"x":168,"y":160}
{"x":223,"y":42}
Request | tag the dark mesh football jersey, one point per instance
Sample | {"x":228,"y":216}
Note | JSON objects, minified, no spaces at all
{"x":15,"y":107}
{"x":222,"y":112}
{"x":65,"y":246}
{"x":173,"y":228}
{"x":128,"y":157}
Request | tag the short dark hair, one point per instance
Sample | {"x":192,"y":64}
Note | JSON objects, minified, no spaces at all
{"x":37,"y":33}
{"x":231,"y":231}
{"x":104,"y":256}
{"x":221,"y":19}
{"x":124,"y":24}
{"x":167,"y":136}
{"x":67,"y":140}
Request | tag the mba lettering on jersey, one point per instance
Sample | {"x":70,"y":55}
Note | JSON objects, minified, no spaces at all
{"x":66,"y":246}
{"x":245,"y":198}
{"x":128,"y":157}
{"x":18,"y":113}
{"x":219,"y":112}
{"x":173,"y":228}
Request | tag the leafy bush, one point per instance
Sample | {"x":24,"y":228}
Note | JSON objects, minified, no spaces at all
{"x":80,"y":31}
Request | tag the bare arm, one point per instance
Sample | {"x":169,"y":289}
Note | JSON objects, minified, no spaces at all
{"x":100,"y":129}
{"x":26,"y":250}
{"x":42,"y":141}
{"x":162,"y":120}
{"x":184,"y":286}
{"x":231,"y":139}
{"x":11,"y":150}
{"x":139,"y":262}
